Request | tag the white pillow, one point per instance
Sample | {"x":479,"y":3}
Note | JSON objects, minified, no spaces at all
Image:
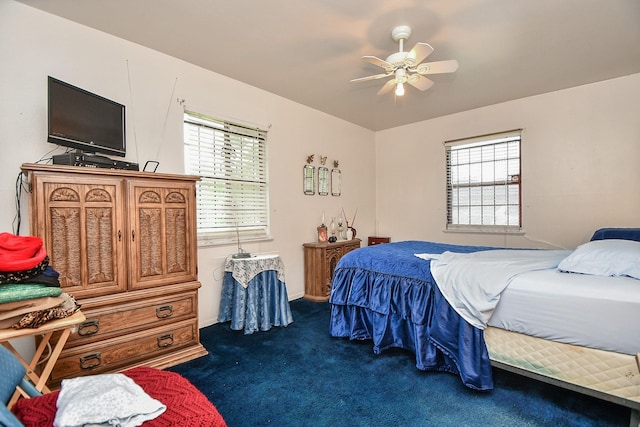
{"x":610,"y":257}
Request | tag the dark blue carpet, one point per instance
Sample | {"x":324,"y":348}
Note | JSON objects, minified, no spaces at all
{"x":301,"y":376}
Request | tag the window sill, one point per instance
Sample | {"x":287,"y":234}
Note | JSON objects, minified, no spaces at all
{"x":516,"y":231}
{"x":210,"y":243}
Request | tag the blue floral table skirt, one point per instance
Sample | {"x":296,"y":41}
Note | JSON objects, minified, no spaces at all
{"x":262,"y":304}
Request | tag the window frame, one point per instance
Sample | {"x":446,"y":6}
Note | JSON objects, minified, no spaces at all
{"x":232,"y":196}
{"x":509,"y":176}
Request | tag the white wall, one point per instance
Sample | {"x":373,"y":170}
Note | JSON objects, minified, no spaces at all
{"x":580,"y":166}
{"x":580,"y":146}
{"x":34,"y":44}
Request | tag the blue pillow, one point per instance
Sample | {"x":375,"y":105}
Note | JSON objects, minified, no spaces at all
{"x":611,"y":257}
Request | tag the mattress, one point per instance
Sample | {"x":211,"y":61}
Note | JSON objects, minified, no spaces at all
{"x":590,"y":311}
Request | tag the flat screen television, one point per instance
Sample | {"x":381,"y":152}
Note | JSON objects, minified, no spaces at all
{"x":85,"y":121}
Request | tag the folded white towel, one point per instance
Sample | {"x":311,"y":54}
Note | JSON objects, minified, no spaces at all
{"x":104,"y":400}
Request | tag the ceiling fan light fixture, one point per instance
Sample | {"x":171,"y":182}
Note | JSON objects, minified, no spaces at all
{"x":401,"y":75}
{"x":402,"y":65}
{"x":401,"y":79}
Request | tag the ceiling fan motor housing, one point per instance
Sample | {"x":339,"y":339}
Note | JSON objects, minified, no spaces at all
{"x":397,"y":59}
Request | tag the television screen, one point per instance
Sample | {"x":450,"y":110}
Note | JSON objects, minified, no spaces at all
{"x":85,"y":121}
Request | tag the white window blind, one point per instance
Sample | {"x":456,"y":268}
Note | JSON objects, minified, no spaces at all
{"x":232,"y":195}
{"x":483,"y":183}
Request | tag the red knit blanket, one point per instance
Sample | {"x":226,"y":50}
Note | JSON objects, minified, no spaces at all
{"x":186,"y":405}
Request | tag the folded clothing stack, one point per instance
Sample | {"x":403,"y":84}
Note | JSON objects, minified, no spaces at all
{"x":23,"y":259}
{"x":30,"y":292}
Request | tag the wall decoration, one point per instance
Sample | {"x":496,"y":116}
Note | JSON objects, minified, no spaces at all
{"x":323,"y":181}
{"x":309,"y":177}
{"x":336,"y":179}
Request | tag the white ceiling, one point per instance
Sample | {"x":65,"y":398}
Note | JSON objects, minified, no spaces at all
{"x":309,"y":50}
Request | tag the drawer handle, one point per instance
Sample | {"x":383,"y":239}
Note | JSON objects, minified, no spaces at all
{"x":90,"y":361}
{"x":165,"y":341}
{"x":164,"y":311}
{"x":89,"y":327}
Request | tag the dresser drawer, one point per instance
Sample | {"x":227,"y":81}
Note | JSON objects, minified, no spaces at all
{"x":124,"y":351}
{"x":106,"y":322}
{"x":378,"y":240}
{"x":350,"y":247}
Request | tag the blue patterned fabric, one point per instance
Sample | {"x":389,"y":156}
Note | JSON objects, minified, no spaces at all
{"x":7,"y":419}
{"x":387,"y":294}
{"x":12,"y":374}
{"x":262,"y":304}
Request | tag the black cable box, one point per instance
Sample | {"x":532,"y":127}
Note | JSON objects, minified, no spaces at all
{"x":93,"y":161}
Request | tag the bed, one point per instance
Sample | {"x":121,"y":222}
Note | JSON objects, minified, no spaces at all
{"x":532,"y":322}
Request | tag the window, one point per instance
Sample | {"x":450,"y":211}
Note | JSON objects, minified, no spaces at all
{"x":483,"y":183}
{"x":232,"y":195}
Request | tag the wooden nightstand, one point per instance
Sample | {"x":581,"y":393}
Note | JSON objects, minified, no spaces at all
{"x":320,"y":259}
{"x":378,"y":240}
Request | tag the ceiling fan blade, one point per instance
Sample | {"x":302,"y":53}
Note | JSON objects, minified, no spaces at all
{"x":437,"y":67}
{"x":419,"y":82}
{"x":387,"y":87}
{"x":379,"y":62}
{"x":418,"y":53}
{"x":377,"y":76}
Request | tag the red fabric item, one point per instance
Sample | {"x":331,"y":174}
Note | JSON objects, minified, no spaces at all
{"x":186,"y":405}
{"x":19,"y":253}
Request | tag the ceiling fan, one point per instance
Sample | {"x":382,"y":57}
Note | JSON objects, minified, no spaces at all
{"x":406,"y":67}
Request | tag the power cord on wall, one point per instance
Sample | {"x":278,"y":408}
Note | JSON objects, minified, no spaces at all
{"x":17,"y":220}
{"x":20,"y":185}
{"x":534,"y":240}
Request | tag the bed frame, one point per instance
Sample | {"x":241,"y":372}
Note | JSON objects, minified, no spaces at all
{"x":605,"y":375}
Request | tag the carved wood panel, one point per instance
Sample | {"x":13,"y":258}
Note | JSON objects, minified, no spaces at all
{"x":164,"y":236}
{"x":80,"y":225}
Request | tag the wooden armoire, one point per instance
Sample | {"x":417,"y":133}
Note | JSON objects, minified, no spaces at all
{"x":124,"y":244}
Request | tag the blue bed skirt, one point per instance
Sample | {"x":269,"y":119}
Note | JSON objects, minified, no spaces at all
{"x":386,"y":294}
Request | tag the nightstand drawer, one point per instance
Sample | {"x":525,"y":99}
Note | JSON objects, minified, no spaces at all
{"x":378,"y":240}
